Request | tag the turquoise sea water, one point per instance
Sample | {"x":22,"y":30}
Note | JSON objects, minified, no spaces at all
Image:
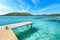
{"x":44,"y":28}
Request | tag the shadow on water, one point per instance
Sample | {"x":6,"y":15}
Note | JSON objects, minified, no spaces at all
{"x":27,"y":33}
{"x":54,"y":20}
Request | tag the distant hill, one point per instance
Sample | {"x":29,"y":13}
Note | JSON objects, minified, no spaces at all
{"x":58,"y":14}
{"x":18,"y":14}
{"x":28,"y":14}
{"x":54,"y":14}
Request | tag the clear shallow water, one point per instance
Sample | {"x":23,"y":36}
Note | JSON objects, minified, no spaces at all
{"x":44,"y":28}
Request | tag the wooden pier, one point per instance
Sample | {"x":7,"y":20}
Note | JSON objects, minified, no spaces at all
{"x":17,"y":24}
{"x":7,"y":34}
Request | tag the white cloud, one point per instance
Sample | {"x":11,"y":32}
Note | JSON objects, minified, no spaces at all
{"x":35,"y":1}
{"x":28,"y":7}
{"x":3,"y":1}
{"x":22,"y":8}
{"x":49,"y":7}
{"x":2,"y":13}
{"x":8,"y":3}
{"x":22,"y":5}
{"x":6,"y":8}
{"x":21,"y":2}
{"x":3,"y":7}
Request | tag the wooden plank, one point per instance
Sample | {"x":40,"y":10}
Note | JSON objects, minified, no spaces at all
{"x":17,"y":24}
{"x":7,"y":35}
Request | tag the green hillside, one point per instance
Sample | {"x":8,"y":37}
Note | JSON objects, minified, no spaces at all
{"x":57,"y":14}
{"x":18,"y":14}
{"x":54,"y":14}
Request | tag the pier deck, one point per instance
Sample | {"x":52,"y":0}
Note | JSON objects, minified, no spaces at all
{"x":7,"y":34}
{"x":17,"y":24}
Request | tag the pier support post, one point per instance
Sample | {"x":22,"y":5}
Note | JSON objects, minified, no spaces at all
{"x":27,"y":25}
{"x":31,"y":26}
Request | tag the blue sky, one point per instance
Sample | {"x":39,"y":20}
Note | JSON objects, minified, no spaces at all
{"x":31,"y":6}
